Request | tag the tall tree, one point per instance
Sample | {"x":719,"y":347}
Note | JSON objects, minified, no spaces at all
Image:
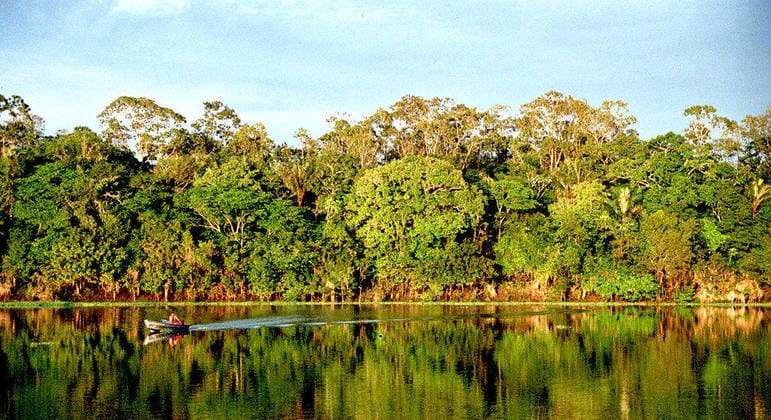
{"x":141,"y":125}
{"x":19,"y":127}
{"x":564,"y":130}
{"x":296,"y":167}
{"x":411,"y":216}
{"x":219,"y":121}
{"x":712,"y":132}
{"x":756,"y":131}
{"x":439,"y":127}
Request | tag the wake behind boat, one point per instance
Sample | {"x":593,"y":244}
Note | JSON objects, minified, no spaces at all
{"x":271,"y":322}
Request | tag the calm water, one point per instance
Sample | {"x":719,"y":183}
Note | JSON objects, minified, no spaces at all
{"x":388,"y":361}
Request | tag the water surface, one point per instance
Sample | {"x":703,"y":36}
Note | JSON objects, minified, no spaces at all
{"x":388,"y":361}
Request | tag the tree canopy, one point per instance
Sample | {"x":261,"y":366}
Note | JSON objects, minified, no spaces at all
{"x":424,"y":199}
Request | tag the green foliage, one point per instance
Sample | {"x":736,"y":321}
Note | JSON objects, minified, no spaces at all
{"x":512,"y":192}
{"x":19,"y":127}
{"x":409,"y":214}
{"x":423,"y":199}
{"x":685,"y":295}
{"x":527,"y":246}
{"x":266,"y":241}
{"x":282,"y":254}
{"x":228,"y":198}
{"x":582,"y":215}
{"x":172,"y":261}
{"x":712,"y":235}
{"x":68,"y":213}
{"x":219,"y":122}
{"x":758,"y":261}
{"x":6,"y":200}
{"x":339,"y":256}
{"x":756,"y":130}
{"x":612,"y":281}
{"x":140,"y":124}
{"x":665,"y":242}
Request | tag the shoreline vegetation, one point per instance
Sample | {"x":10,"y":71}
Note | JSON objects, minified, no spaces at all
{"x":426,"y":200}
{"x":550,"y":304}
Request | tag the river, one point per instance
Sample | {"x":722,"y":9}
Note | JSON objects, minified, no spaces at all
{"x":388,"y":361}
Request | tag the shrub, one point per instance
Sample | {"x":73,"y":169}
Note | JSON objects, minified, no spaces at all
{"x":684,"y":295}
{"x":611,"y":281}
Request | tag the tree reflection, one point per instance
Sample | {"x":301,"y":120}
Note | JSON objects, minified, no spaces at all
{"x":449,"y":362}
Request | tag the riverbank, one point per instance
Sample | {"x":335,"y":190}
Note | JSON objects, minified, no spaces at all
{"x":105,"y":304}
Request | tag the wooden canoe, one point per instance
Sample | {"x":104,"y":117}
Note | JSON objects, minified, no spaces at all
{"x":165,"y":326}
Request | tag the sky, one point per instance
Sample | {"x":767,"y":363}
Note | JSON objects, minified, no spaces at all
{"x":292,"y":64}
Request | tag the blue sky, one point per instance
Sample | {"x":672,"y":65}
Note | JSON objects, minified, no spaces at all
{"x":291,"y":63}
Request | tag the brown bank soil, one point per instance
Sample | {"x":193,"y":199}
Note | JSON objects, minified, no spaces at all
{"x":511,"y":292}
{"x":705,"y":286}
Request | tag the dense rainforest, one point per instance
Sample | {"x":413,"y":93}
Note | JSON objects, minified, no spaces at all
{"x":426,"y":199}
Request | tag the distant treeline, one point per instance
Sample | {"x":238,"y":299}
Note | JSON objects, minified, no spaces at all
{"x":426,"y":199}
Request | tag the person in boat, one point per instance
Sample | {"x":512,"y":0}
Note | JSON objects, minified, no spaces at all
{"x":173,"y":319}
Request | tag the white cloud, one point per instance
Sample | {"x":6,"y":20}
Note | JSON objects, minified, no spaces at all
{"x":298,"y":11}
{"x":338,"y":11}
{"x":154,"y":7}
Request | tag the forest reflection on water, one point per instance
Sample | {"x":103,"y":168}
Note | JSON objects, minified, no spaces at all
{"x":385,"y":361}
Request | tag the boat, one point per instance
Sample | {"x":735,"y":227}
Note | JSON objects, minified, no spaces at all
{"x":166,"y":326}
